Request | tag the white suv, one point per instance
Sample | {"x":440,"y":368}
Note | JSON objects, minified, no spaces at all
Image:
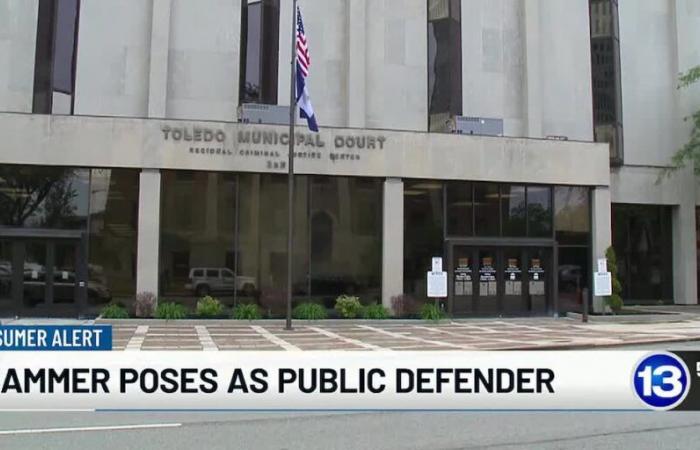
{"x":206,"y":280}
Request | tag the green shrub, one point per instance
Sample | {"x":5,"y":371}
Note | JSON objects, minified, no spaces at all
{"x":114,"y":311}
{"x":209,"y":307}
{"x":170,"y":311}
{"x":348,"y":307}
{"x":431,"y":311}
{"x":375,"y":312}
{"x":615,"y":300}
{"x":309,"y":311}
{"x":246,"y":312}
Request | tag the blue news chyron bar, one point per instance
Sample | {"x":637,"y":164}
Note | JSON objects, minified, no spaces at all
{"x":55,"y":337}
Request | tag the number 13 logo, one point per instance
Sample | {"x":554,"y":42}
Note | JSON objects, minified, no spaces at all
{"x":661,"y":380}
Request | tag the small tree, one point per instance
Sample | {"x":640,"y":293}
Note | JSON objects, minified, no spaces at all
{"x":691,"y":150}
{"x":615,"y":300}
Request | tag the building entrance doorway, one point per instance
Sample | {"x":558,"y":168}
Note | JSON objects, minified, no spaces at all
{"x":42,"y":276}
{"x":500,"y":280}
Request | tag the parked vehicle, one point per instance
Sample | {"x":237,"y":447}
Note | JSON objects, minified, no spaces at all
{"x":206,"y":280}
{"x":64,"y":285}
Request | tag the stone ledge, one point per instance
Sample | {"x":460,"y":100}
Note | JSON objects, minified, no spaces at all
{"x":649,"y":317}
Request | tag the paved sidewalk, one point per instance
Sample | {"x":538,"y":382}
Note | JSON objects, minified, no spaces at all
{"x":487,"y":334}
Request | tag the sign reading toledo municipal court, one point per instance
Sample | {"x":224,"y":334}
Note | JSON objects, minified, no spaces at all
{"x":269,"y":145}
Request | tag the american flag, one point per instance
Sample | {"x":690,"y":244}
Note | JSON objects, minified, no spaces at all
{"x":303,"y":58}
{"x":306,"y":111}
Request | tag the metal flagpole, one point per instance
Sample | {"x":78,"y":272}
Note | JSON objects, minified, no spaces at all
{"x":290,"y":183}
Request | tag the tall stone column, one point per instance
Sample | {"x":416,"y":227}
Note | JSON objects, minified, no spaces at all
{"x":357,"y":64}
{"x":601,"y":232}
{"x":533,"y":72}
{"x":392,"y":240}
{"x":685,"y":291}
{"x":148,"y":232}
{"x":158,"y":70}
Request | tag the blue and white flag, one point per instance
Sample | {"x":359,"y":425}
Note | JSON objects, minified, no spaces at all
{"x":306,"y":111}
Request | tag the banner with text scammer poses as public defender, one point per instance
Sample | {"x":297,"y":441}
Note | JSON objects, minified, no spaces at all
{"x":596,"y":380}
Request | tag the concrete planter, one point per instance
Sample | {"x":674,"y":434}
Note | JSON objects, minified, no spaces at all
{"x":651,"y":317}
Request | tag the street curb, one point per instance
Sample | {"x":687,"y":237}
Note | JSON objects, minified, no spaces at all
{"x":606,"y":346}
{"x":632,"y":319}
{"x":270,"y":322}
{"x":281,"y":322}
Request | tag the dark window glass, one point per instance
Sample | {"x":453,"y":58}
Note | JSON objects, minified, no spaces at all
{"x":100,"y":202}
{"x":444,"y":62}
{"x":43,"y":197}
{"x":513,"y":210}
{"x":573,"y":278}
{"x":572,"y":221}
{"x":114,"y":200}
{"x":198,"y":273}
{"x":263,"y":238}
{"x":259,"y":51}
{"x":200,"y":242}
{"x":54,"y":67}
{"x":486,"y":209}
{"x":366,"y":206}
{"x":423,"y":234}
{"x":605,"y":69}
{"x":345,"y":258}
{"x":6,"y":269}
{"x":539,"y":211}
{"x":642,"y":239}
{"x":459,"y":208}
{"x":212,"y":273}
{"x":321,"y":238}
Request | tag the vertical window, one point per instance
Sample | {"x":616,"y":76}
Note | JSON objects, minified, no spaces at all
{"x":605,"y":68}
{"x":201,"y":243}
{"x":444,"y":62}
{"x":643,"y":241}
{"x":113,"y":227}
{"x":539,"y":211}
{"x":423,"y":233}
{"x":486,"y":209}
{"x":459,"y":208}
{"x":513,"y":210}
{"x":259,"y":51}
{"x":54,"y":66}
{"x":572,"y":227}
{"x":345,"y":258}
{"x":572,"y":222}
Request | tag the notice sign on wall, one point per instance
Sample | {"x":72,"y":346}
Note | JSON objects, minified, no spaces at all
{"x":602,"y":284}
{"x":437,"y":284}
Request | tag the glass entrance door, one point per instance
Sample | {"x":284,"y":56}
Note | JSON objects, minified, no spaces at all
{"x":513,"y":300}
{"x":35,"y":285}
{"x":463,"y":279}
{"x":66,"y":255}
{"x":488,"y":302}
{"x":539,"y":274}
{"x":500,"y":281}
{"x":40,"y":276}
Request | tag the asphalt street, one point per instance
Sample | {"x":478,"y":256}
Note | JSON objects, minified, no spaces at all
{"x":493,"y":430}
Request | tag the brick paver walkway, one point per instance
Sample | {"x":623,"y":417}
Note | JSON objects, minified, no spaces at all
{"x":485,"y":334}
